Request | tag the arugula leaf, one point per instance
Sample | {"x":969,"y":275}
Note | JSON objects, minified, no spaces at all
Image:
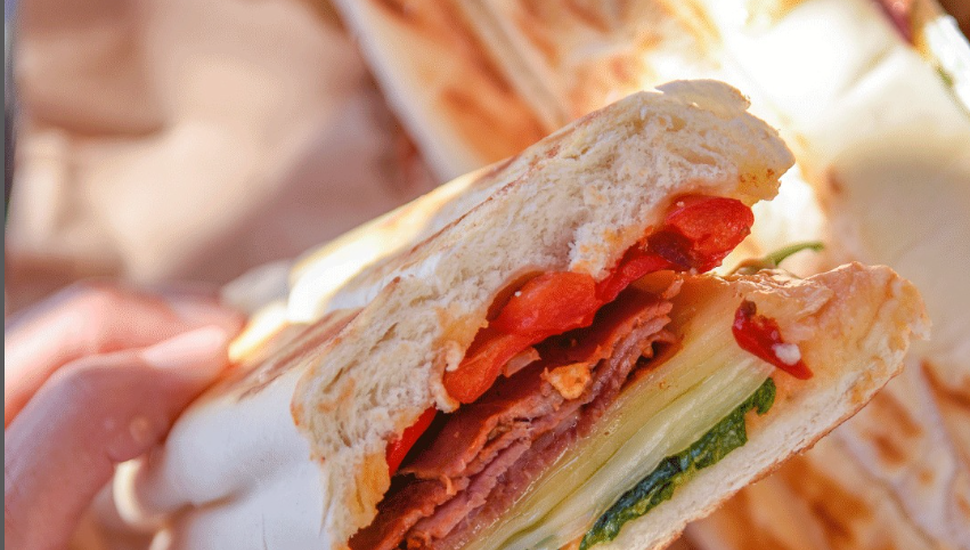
{"x":675,"y":470}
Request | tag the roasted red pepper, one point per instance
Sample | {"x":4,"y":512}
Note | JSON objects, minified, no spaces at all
{"x":713,"y":227}
{"x":761,"y":336}
{"x":483,"y":363}
{"x":398,"y":449}
{"x":549,"y":304}
{"x":635,"y":264}
{"x":698,"y":232}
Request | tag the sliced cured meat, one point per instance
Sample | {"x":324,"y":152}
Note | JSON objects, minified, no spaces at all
{"x":400,"y":510}
{"x":508,"y":407}
{"x":455,"y":510}
{"x":547,"y":449}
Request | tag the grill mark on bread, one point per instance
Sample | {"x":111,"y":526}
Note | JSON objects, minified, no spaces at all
{"x":494,"y":104}
{"x":958,"y":397}
{"x":470,"y":114}
{"x":891,"y":441}
{"x":397,"y":9}
{"x":588,"y":16}
{"x":311,"y":340}
{"x":526,"y":21}
{"x":835,"y":508}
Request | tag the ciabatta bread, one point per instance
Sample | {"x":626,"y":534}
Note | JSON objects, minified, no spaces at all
{"x":575,"y":201}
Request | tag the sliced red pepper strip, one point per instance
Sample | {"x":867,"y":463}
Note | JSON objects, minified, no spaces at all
{"x":636,"y":263}
{"x":398,"y":449}
{"x":760,"y":335}
{"x":549,"y":304}
{"x":713,"y":226}
{"x":483,"y":363}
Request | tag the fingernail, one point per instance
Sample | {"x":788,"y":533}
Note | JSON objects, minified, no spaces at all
{"x":141,"y":430}
{"x":203,"y":311}
{"x":199,"y":353}
{"x":191,"y":308}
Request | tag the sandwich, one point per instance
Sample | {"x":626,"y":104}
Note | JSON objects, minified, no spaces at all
{"x":544,"y":362}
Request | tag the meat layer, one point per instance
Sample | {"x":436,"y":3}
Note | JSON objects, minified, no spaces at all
{"x":487,"y":453}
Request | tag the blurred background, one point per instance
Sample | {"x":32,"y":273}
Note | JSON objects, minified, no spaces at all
{"x":170,"y":143}
{"x":190,"y":140}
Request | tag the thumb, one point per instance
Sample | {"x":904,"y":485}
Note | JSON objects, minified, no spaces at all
{"x":94,"y":413}
{"x":159,"y":382}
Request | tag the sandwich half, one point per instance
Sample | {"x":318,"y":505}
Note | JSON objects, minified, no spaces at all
{"x":543,"y":362}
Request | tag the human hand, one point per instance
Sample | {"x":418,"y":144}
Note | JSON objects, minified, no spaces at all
{"x":93,"y":377}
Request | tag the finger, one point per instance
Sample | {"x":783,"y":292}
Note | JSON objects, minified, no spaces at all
{"x":93,"y":319}
{"x":96,"y":412}
{"x":197,"y":311}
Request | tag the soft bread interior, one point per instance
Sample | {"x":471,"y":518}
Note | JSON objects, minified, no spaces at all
{"x":852,"y":326}
{"x":574,"y":201}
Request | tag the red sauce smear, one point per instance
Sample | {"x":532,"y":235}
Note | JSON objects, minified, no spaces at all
{"x":697,"y":233}
{"x":759,"y":335}
{"x":398,"y":449}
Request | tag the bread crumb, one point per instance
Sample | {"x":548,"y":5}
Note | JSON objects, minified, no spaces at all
{"x":788,"y":354}
{"x":453,"y":354}
{"x":569,"y":380}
